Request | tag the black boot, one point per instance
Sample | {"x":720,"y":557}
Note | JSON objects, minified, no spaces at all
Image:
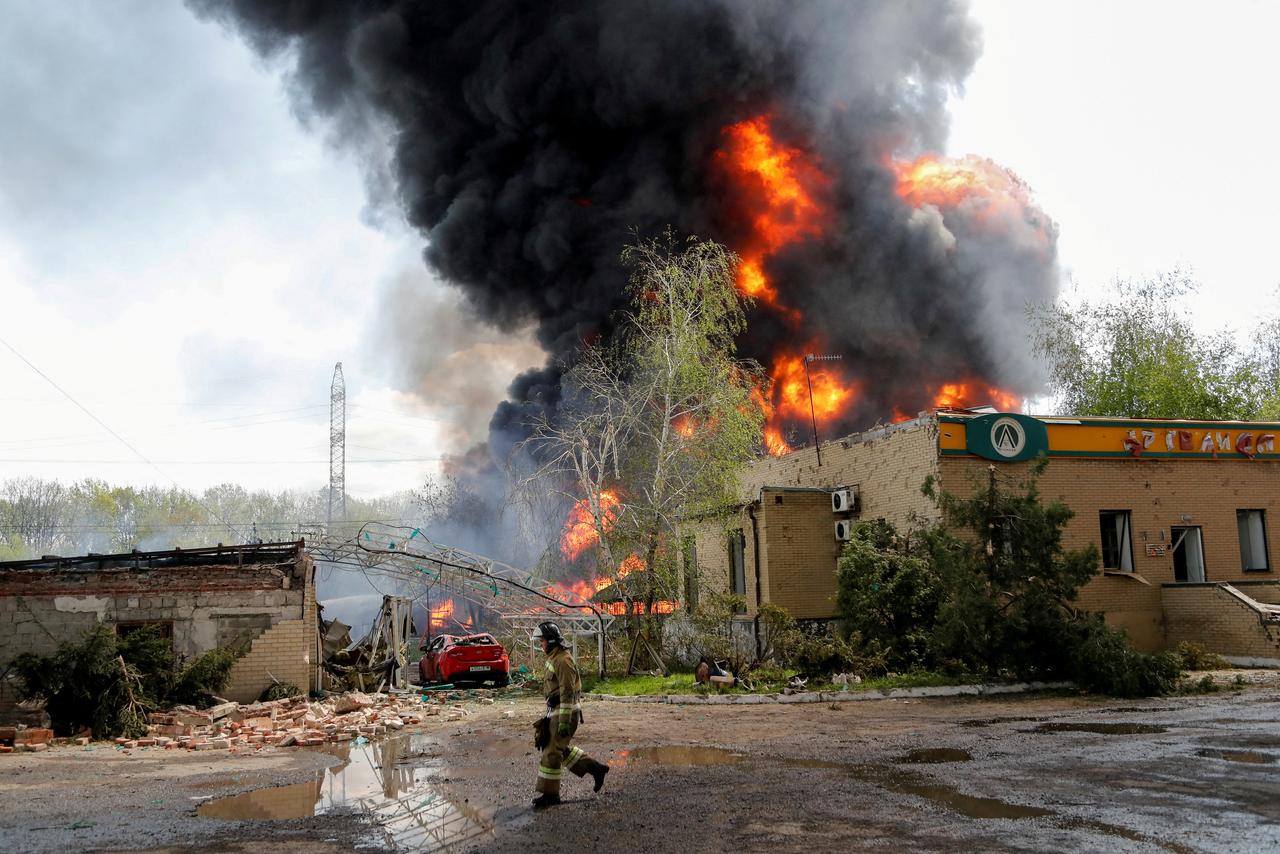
{"x":546,"y":799}
{"x":597,"y":770}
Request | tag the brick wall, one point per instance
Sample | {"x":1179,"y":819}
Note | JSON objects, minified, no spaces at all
{"x":283,"y":651}
{"x":1212,"y":617}
{"x":797,"y":536}
{"x":1159,"y":494}
{"x":799,"y":552}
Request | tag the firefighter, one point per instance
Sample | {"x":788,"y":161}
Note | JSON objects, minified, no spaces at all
{"x":563,"y":691}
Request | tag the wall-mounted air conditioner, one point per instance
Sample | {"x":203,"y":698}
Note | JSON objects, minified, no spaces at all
{"x":844,"y":500}
{"x":844,"y":529}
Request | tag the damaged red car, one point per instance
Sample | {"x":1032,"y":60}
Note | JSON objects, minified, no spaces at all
{"x":471,"y":658}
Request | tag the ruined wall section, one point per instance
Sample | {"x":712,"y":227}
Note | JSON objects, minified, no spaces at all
{"x":42,"y":608}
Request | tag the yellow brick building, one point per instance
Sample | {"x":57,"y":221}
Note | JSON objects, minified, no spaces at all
{"x":1180,"y":511}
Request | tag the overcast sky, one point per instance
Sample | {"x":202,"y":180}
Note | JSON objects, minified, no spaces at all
{"x":188,"y":261}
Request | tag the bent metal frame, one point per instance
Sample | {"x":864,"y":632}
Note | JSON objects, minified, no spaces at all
{"x":520,"y":598}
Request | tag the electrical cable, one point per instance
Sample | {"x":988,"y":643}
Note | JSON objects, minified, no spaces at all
{"x":106,"y":427}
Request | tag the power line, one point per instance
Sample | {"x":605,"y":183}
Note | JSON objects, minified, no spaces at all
{"x":104,"y":425}
{"x":218,"y":462}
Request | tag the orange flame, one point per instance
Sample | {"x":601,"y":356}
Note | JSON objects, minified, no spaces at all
{"x":580,"y":531}
{"x":782,"y":188}
{"x":584,"y":591}
{"x":789,"y":398}
{"x":630,"y":565}
{"x":684,"y":426}
{"x":441,"y":613}
{"x":966,"y":395}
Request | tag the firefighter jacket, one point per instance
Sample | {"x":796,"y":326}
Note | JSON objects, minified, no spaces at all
{"x":562,"y":688}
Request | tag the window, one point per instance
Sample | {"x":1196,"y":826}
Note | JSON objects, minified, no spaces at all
{"x":737,"y":563}
{"x":1117,"y":544}
{"x":164,"y":628}
{"x":690,"y":550}
{"x":1253,"y":540}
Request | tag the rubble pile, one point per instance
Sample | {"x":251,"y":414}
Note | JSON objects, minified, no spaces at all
{"x":291,"y":722}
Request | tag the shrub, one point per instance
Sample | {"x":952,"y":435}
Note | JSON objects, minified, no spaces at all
{"x":107,"y":684}
{"x":207,"y":674}
{"x":712,"y":632}
{"x":1195,"y":657}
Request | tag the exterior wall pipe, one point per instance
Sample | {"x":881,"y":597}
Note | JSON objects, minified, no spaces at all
{"x":755,"y":551}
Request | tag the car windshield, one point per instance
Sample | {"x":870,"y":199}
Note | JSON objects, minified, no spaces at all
{"x":476,"y":640}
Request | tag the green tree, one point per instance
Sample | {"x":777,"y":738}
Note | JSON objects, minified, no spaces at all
{"x":1138,"y":355}
{"x":888,"y":593}
{"x":659,"y":418}
{"x":1008,"y":592}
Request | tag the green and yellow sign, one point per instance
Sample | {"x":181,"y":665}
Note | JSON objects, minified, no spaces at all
{"x":1007,"y":437}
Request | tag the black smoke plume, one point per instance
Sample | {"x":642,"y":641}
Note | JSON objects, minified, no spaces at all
{"x":530,"y":137}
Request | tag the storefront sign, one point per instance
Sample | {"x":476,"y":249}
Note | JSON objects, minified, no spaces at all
{"x":1010,"y":437}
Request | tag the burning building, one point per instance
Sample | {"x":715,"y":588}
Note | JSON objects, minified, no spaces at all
{"x":1178,"y":511}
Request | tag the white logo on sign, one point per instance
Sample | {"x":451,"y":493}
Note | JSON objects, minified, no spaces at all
{"x":1007,"y":437}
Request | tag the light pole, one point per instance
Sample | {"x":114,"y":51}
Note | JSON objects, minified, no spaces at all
{"x":813,"y":418}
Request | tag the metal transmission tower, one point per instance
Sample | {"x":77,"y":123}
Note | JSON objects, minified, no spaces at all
{"x":337,"y":447}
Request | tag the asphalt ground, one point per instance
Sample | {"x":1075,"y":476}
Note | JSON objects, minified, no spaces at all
{"x":1022,"y":773}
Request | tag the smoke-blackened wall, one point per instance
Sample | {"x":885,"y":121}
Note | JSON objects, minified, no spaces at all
{"x":531,"y":137}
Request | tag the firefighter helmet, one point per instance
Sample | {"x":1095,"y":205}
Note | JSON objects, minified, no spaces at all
{"x":549,"y":632}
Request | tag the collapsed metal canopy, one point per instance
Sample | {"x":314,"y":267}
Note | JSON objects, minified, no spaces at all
{"x":519,"y":597}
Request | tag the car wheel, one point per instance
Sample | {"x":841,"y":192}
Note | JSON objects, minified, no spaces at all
{"x":502,"y":681}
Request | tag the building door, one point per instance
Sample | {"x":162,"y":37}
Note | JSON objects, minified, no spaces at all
{"x":1188,"y":555}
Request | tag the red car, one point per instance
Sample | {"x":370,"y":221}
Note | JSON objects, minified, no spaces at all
{"x":472,"y":658}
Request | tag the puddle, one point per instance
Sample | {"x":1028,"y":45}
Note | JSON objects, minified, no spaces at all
{"x":388,"y":779}
{"x":972,"y":806}
{"x":935,"y":755}
{"x":982,"y":722}
{"x":1102,"y":729}
{"x":899,"y":780}
{"x":1248,"y":756}
{"x":681,"y":755}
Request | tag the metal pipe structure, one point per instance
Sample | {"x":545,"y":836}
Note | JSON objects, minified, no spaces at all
{"x":518,"y":597}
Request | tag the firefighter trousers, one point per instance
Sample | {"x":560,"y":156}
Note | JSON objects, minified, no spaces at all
{"x":559,"y":755}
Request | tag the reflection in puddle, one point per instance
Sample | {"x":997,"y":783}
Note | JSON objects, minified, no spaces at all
{"x":1249,"y":756}
{"x":935,"y":755}
{"x":1102,"y":729}
{"x":388,"y":780}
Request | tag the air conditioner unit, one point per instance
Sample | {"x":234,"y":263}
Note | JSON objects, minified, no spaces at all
{"x":844,"y":529}
{"x":844,"y":500}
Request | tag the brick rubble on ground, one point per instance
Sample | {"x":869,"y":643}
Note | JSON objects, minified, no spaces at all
{"x":292,"y":722}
